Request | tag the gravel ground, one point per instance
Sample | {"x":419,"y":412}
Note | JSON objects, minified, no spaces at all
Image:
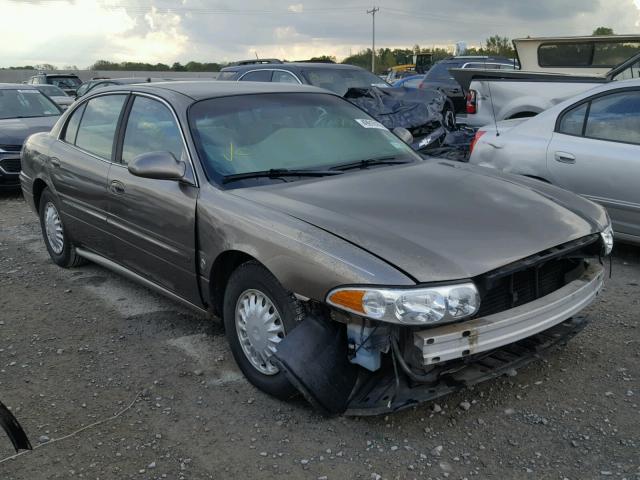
{"x":78,"y":346}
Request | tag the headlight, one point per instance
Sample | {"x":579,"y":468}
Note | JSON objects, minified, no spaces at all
{"x":417,"y":306}
{"x":607,"y":239}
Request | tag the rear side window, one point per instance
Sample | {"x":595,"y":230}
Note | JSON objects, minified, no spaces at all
{"x":615,"y":117}
{"x":283,"y":77}
{"x":226,"y":75}
{"x":573,"y":121}
{"x":257,"y":76}
{"x":632,"y":71}
{"x":99,"y":123}
{"x":150,"y":128}
{"x":71,"y":130}
{"x":586,"y":54}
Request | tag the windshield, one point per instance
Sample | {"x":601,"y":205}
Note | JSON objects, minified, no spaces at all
{"x":51,"y":90}
{"x":22,"y":103}
{"x":253,"y":133}
{"x":339,"y":80}
{"x":64,"y":82}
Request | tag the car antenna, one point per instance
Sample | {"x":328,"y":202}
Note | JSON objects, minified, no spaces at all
{"x":493,"y":110}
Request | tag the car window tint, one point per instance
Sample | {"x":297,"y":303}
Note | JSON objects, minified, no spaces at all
{"x":283,"y":77}
{"x":615,"y":117}
{"x":573,"y":121}
{"x":99,"y":123}
{"x":257,"y":76}
{"x":71,"y":130}
{"x":150,"y":128}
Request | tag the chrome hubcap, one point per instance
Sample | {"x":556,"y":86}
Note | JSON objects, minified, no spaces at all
{"x":259,"y":329}
{"x":53,"y":228}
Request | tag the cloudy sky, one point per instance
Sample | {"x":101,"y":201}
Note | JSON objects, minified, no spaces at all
{"x":78,"y":32}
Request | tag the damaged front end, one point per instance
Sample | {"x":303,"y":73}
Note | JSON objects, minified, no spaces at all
{"x":347,"y":363}
{"x":427,"y":114}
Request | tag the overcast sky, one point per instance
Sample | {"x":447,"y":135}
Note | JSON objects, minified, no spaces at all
{"x":79,"y":32}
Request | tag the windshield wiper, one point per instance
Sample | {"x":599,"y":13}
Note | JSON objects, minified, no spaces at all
{"x":278,"y":172}
{"x":369,"y":162}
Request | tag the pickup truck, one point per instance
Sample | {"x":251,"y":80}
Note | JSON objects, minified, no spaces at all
{"x":495,"y":95}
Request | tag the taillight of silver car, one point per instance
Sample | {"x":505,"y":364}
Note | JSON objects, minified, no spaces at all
{"x":472,"y":97}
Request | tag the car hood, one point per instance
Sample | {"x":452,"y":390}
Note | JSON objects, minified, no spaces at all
{"x":14,"y":131}
{"x":437,"y":220}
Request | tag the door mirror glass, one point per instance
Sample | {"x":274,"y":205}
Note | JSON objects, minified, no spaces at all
{"x":403,"y":134}
{"x":157,"y":165}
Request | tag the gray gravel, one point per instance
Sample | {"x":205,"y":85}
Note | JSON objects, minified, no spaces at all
{"x":78,"y":346}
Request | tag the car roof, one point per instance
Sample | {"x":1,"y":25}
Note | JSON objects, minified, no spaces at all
{"x":290,"y":66}
{"x":201,"y":89}
{"x":57,"y":75}
{"x":14,"y":86}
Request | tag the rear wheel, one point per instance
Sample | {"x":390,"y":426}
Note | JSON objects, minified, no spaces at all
{"x":59,"y":246}
{"x":258,"y":314}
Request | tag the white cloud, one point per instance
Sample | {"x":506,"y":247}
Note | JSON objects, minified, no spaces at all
{"x":82,"y":31}
{"x":296,"y":8}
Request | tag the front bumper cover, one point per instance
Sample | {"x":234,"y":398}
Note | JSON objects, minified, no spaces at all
{"x":314,"y":357}
{"x":449,"y":342}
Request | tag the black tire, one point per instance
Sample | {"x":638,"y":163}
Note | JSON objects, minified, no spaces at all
{"x":252,"y":275}
{"x":67,"y":257}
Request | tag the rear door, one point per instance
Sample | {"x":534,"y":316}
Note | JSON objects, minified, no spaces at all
{"x":595,"y":151}
{"x":153,"y":221}
{"x":79,"y":164}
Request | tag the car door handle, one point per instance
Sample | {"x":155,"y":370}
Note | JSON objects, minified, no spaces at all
{"x":55,"y":162}
{"x":116,"y":187}
{"x":564,"y":157}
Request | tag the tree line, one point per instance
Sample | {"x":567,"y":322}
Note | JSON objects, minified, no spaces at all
{"x":386,"y":58}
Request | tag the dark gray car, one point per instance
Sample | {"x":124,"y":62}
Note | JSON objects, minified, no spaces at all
{"x":23,"y":111}
{"x":343,"y":265}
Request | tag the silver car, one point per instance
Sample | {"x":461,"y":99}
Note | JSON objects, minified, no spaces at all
{"x":589,"y":144}
{"x":344,"y":265}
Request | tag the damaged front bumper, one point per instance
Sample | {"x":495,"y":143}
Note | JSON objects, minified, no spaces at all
{"x":316,"y":357}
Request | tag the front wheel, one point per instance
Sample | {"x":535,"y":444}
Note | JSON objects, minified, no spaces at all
{"x":258,"y":313}
{"x":59,"y":246}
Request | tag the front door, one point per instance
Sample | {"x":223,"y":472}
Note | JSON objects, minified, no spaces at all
{"x":79,"y":166}
{"x":153,"y":221}
{"x":595,"y":151}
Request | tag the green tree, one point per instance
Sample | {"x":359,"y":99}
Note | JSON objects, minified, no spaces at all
{"x":603,"y":31}
{"x":497,"y":45}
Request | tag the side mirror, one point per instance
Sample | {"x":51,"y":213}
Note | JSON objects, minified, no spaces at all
{"x":158,"y":165}
{"x":403,"y":134}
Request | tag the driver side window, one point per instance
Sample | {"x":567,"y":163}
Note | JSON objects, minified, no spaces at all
{"x":151,"y":128}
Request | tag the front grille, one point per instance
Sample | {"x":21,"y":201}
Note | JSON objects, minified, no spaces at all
{"x":534,"y":277}
{"x":10,"y":165}
{"x":10,"y":148}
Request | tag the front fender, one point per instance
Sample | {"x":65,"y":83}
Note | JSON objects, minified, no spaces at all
{"x":305,"y":259}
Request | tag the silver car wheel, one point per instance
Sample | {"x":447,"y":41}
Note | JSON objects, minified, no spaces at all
{"x":259,"y":328}
{"x":53,"y":228}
